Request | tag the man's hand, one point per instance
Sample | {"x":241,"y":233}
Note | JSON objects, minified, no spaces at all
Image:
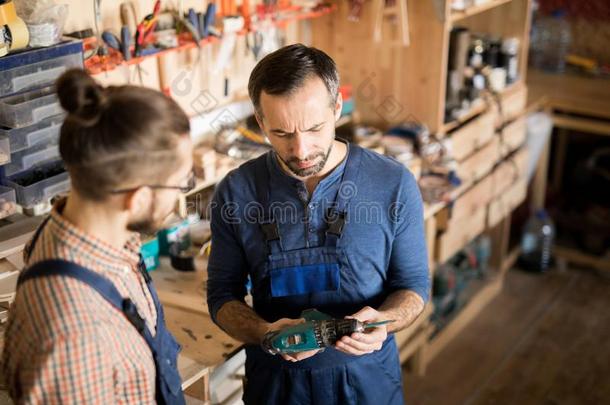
{"x":284,"y":323}
{"x":367,"y":342}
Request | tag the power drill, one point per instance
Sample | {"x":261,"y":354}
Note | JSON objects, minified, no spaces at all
{"x":317,"y":332}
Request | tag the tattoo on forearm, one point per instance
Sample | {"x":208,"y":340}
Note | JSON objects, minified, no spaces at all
{"x":241,"y":322}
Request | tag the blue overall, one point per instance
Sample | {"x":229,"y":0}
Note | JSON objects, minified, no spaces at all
{"x":320,"y":278}
{"x":163,"y":346}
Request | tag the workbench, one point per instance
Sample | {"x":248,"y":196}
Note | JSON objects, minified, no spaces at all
{"x":576,"y":103}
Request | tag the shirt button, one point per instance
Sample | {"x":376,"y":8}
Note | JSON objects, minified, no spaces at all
{"x":168,"y":361}
{"x":312,"y":230}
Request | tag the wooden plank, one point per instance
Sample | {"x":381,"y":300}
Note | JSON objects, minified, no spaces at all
{"x":416,"y":344}
{"x":190,"y":371}
{"x":473,"y":200}
{"x":502,"y":206}
{"x":513,"y":136}
{"x":592,"y":126}
{"x":202,"y":341}
{"x":500,"y":235}
{"x":510,"y":259}
{"x":481,"y":162}
{"x":579,"y":258}
{"x":457,"y":15}
{"x":459,"y":234}
{"x":572,"y":93}
{"x":432,"y":209}
{"x":540,"y":179}
{"x":478,"y":107}
{"x":508,"y":172}
{"x":471,"y":136}
{"x":198,"y":391}
{"x":513,"y":103}
{"x":466,"y":315}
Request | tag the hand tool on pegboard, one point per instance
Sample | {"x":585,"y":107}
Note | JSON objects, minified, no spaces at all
{"x":120,"y":45}
{"x":145,"y":29}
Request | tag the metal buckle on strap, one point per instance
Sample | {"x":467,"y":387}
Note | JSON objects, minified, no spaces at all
{"x":271,"y":231}
{"x":336,"y":222}
{"x":131,"y":313}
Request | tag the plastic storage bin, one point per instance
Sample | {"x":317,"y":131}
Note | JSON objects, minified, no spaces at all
{"x":27,"y":108}
{"x":45,"y":131}
{"x":31,"y":157}
{"x":5,"y":150}
{"x":38,"y":67}
{"x":7,"y":202}
{"x":39,"y":185}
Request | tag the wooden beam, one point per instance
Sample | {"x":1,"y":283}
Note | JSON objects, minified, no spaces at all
{"x":540,"y":179}
{"x":583,"y":259}
{"x":510,"y":259}
{"x":456,"y":16}
{"x":589,"y":125}
{"x":414,"y":345}
{"x":499,"y":235}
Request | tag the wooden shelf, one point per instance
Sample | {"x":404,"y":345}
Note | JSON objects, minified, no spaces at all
{"x":478,"y":106}
{"x":456,"y":15}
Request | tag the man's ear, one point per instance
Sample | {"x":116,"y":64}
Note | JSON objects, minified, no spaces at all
{"x":338,"y":106}
{"x":137,"y":200}
{"x":261,"y":125}
{"x":259,"y":120}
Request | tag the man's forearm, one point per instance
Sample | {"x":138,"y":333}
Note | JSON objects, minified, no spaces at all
{"x":404,"y":306}
{"x":241,"y":322}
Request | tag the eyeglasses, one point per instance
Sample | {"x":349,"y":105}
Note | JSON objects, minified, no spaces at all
{"x":190,"y":185}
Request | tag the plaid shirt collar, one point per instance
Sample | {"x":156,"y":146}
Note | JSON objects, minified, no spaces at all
{"x":93,"y":246}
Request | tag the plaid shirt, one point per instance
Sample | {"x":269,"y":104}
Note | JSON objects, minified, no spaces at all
{"x":64,"y":343}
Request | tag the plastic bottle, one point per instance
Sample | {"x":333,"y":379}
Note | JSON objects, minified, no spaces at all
{"x":537,"y":243}
{"x":550,"y":42}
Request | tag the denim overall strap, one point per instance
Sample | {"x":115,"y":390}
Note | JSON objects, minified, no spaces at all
{"x":99,"y":283}
{"x":30,"y":248}
{"x":337,"y":215}
{"x":267,"y":223}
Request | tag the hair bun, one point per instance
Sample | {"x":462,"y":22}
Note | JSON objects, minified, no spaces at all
{"x":79,"y":94}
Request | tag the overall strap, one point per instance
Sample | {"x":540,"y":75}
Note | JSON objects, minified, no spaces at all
{"x":28,"y":252}
{"x":99,"y":283}
{"x":337,"y":216}
{"x":268,"y":225}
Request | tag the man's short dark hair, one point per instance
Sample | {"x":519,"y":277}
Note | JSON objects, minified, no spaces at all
{"x":285,"y":70}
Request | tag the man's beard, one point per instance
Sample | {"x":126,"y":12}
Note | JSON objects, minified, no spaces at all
{"x":148,"y":225}
{"x":293,"y":163}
